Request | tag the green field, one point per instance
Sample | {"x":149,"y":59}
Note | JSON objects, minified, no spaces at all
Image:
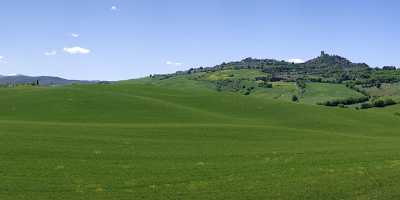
{"x":320,"y":92}
{"x":279,"y":91}
{"x":386,"y":90}
{"x":180,"y":140}
{"x":232,"y":74}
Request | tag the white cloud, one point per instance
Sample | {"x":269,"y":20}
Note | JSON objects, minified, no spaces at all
{"x":295,"y":60}
{"x":2,"y":60}
{"x":75,"y":35}
{"x":50,"y":53}
{"x":114,"y":8}
{"x":173,"y":63}
{"x":76,"y":50}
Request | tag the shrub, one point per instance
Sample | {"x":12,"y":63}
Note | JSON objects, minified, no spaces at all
{"x":379,"y":103}
{"x":318,"y":80}
{"x":389,"y":102}
{"x":348,"y":101}
{"x":383,"y":103}
{"x":301,"y":83}
{"x":366,"y":106}
{"x":265,"y":85}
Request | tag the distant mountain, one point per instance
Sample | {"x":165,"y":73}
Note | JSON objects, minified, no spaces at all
{"x":43,"y":80}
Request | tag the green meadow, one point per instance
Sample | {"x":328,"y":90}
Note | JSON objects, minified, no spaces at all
{"x":144,"y":140}
{"x":320,"y":92}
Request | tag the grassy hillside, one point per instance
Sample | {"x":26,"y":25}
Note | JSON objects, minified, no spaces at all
{"x":386,"y":90}
{"x":332,"y":81}
{"x":279,"y":91}
{"x":181,"y":139}
{"x":247,"y":81}
{"x":320,"y":92}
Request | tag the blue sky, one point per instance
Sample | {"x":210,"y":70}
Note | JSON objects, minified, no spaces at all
{"x":122,"y":39}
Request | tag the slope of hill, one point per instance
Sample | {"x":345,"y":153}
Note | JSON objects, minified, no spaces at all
{"x":330,"y":79}
{"x":330,"y":68}
{"x":181,"y":139}
{"x":387,"y":90}
{"x":321,"y":92}
{"x":234,"y":131}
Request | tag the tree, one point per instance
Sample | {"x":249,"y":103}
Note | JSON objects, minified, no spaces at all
{"x":265,"y":85}
{"x":366,"y":106}
{"x":379,"y":103}
{"x":389,"y":102}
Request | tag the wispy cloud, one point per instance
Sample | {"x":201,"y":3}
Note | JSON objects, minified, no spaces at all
{"x":2,"y":60}
{"x":173,"y":63}
{"x":75,"y":35}
{"x":76,"y":50}
{"x":50,"y":53}
{"x":114,"y":8}
{"x":295,"y":60}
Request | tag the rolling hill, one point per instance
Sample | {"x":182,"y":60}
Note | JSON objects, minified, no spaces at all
{"x":217,"y":133}
{"x":329,"y":80}
{"x":185,"y":140}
